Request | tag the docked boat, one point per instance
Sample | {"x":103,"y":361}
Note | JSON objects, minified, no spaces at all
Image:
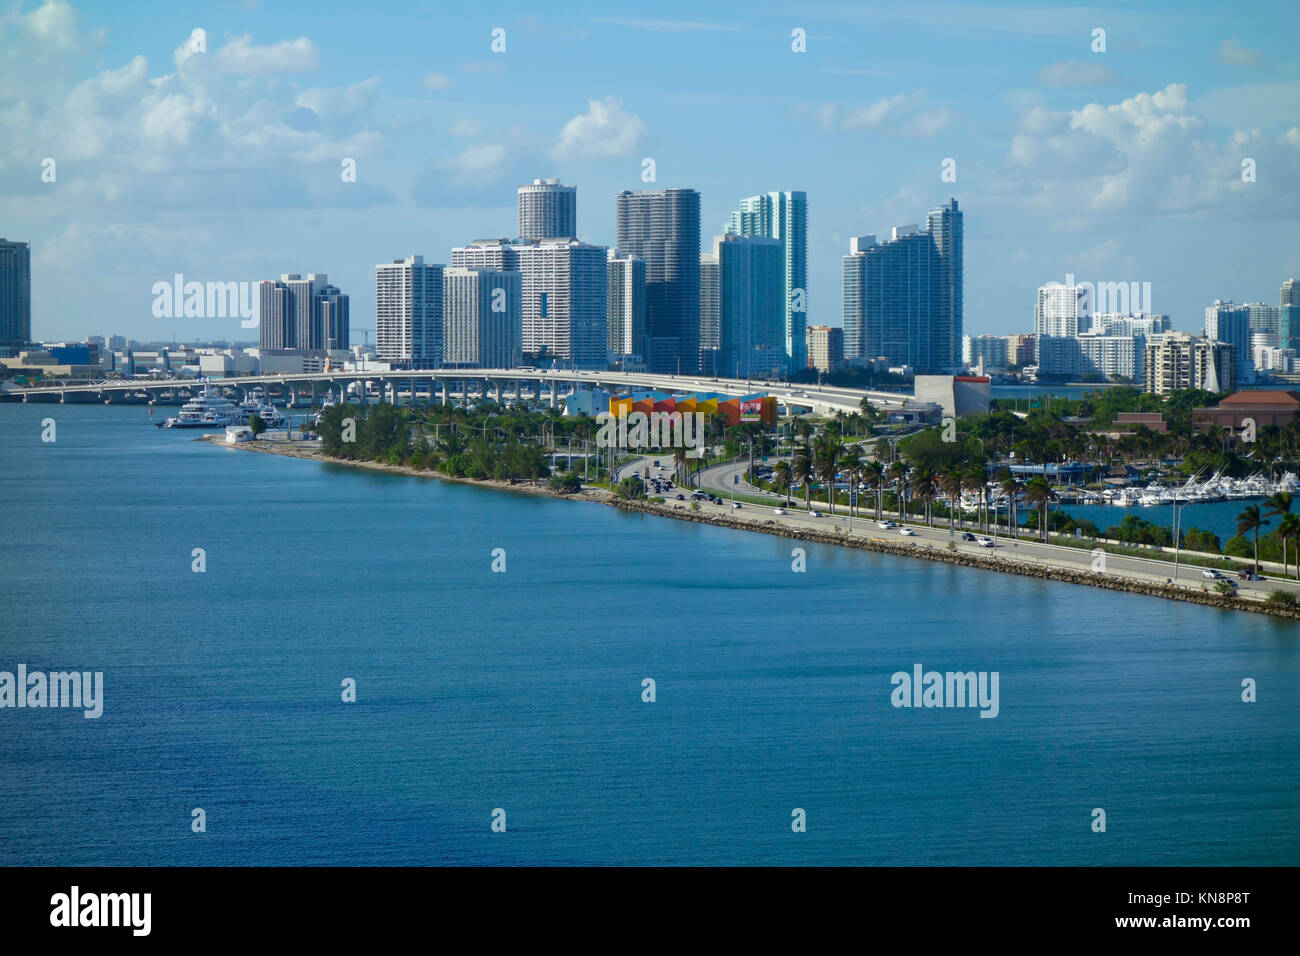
{"x":206,"y":410}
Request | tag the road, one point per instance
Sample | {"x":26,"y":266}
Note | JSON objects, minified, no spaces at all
{"x":719,"y":479}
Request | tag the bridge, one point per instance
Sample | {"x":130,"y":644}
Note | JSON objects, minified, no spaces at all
{"x":446,"y":384}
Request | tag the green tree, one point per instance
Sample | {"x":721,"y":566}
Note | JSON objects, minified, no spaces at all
{"x":1250,"y":521}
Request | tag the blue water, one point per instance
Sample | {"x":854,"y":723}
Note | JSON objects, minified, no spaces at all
{"x":1217,"y":517}
{"x":522,"y":690}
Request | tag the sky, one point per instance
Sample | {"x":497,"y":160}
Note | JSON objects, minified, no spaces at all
{"x":226,"y":164}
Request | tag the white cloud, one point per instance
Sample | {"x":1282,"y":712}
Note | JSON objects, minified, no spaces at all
{"x":357,"y":98}
{"x":466,"y":128}
{"x":1076,"y":73}
{"x":1234,"y":54}
{"x":1148,"y":155}
{"x":436,"y":81}
{"x":605,"y":130}
{"x":899,"y":114}
{"x":241,"y":57}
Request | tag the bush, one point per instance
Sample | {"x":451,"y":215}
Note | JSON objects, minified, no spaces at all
{"x":1284,"y":598}
{"x":566,"y":484}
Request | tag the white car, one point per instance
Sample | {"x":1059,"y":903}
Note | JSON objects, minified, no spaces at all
{"x":778,"y":511}
{"x":1211,"y":574}
{"x":984,"y":542}
{"x":814,"y":514}
{"x":886,"y":525}
{"x":908,"y":532}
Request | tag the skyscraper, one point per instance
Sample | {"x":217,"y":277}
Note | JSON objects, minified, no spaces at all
{"x":1289,"y":320}
{"x":548,"y":210}
{"x":1230,"y":323}
{"x":751,"y":285}
{"x":298,"y":313}
{"x":903,"y":298}
{"x":663,"y":228}
{"x":15,"y":296}
{"x":482,"y":318}
{"x":565,"y":305}
{"x":783,"y":216}
{"x":710,"y":315}
{"x":626,"y":310}
{"x":408,"y":312}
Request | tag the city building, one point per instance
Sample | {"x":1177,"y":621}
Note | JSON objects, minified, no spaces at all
{"x":1180,"y":360}
{"x":564,"y":294}
{"x":1020,"y":350}
{"x":1230,"y":323}
{"x":626,"y":313}
{"x":15,"y":296}
{"x":1260,"y":407}
{"x":662,"y":227}
{"x":825,"y":348}
{"x":482,"y":318}
{"x":409,"y":313}
{"x":297,"y":313}
{"x":1112,"y":357}
{"x":903,"y":297}
{"x":710,"y":315}
{"x":783,"y":216}
{"x":956,"y":395}
{"x":751,"y":307}
{"x":548,"y":210}
{"x":984,"y":351}
{"x":1289,"y":314}
{"x":734,"y":409}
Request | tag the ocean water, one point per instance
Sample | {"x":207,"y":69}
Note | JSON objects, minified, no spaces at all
{"x":523,"y":690}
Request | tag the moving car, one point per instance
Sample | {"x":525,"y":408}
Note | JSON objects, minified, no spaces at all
{"x":681,"y":497}
{"x":1211,"y":574}
{"x":984,"y":542}
{"x":736,"y":504}
{"x":778,"y":511}
{"x":1246,"y":574}
{"x":814,"y":514}
{"x":967,"y":536}
{"x":887,"y":525}
{"x":907,"y":531}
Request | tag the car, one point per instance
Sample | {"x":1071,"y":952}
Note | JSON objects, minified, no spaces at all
{"x":656,"y":462}
{"x":681,"y":497}
{"x":779,"y":511}
{"x":984,"y":542}
{"x":967,"y":536}
{"x":907,"y":532}
{"x":887,"y":525}
{"x":814,"y":514}
{"x":1211,"y":574}
{"x":737,"y":505}
{"x":1246,"y":574}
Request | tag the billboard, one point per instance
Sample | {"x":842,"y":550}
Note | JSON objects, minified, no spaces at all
{"x":751,"y":410}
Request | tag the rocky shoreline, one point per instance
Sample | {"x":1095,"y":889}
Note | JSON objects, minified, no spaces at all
{"x":925,"y":552}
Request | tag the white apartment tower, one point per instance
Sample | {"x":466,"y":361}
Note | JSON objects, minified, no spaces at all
{"x":409,"y":312}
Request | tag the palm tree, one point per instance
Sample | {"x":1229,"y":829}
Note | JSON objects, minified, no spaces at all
{"x":1011,"y":488}
{"x":851,"y":461}
{"x":782,"y":475}
{"x":898,"y":475}
{"x":1289,"y":529}
{"x":827,"y":465}
{"x":874,"y":472}
{"x":978,"y":478}
{"x":679,"y":459}
{"x":802,"y":472}
{"x":1251,"y":520}
{"x":923,"y":488}
{"x":1039,"y":492}
{"x":951,"y":484}
{"x":1280,"y":504}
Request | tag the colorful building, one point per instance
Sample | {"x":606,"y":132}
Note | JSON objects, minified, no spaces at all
{"x":734,"y":409}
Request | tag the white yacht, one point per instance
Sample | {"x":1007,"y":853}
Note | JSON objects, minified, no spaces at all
{"x":206,"y":410}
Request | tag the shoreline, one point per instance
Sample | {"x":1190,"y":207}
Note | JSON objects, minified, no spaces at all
{"x":925,"y":552}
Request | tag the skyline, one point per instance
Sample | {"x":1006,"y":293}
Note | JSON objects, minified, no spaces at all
{"x":227,"y":168}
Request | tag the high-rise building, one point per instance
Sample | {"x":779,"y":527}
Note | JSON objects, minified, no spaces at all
{"x":548,"y":210}
{"x":1020,"y":350}
{"x":783,"y":216}
{"x":986,"y":351}
{"x":1179,"y":360}
{"x":564,"y":293}
{"x":825,"y":348}
{"x":1289,"y":318}
{"x":710,"y":314}
{"x":305,"y":314}
{"x":1060,"y":310}
{"x":625,"y":314}
{"x":903,"y":297}
{"x":1230,"y":323}
{"x":944,"y":223}
{"x":15,"y":296}
{"x":751,"y":308}
{"x":1111,"y":357}
{"x":482,"y":318}
{"x":663,"y":228}
{"x":409,"y":312}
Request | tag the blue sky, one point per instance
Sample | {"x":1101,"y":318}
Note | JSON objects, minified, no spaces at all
{"x":1123,"y":165}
